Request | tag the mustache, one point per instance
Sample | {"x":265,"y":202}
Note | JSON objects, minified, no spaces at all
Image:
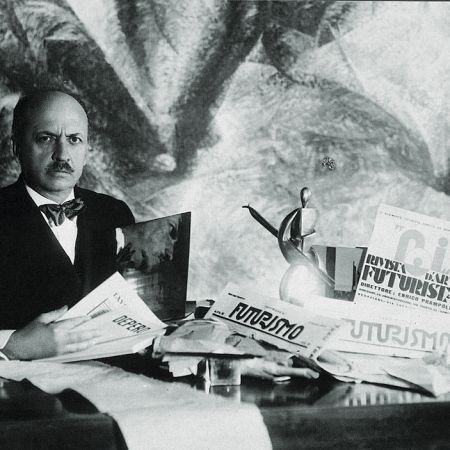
{"x":60,"y":166}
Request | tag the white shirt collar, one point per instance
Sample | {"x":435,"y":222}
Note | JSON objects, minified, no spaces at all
{"x":41,"y":200}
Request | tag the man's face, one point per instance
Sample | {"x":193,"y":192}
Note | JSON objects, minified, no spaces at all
{"x":52,"y":146}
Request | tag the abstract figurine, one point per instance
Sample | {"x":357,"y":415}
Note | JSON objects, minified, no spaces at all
{"x":304,"y":275}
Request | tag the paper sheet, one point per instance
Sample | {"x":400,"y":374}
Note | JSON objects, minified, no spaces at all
{"x":431,"y":373}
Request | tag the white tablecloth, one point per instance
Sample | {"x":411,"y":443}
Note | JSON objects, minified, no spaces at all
{"x":151,"y":414}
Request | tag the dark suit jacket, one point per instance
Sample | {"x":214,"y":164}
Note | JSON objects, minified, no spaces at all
{"x":36,"y":275}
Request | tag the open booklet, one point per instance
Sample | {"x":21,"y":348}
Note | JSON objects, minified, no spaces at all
{"x":127,"y":325}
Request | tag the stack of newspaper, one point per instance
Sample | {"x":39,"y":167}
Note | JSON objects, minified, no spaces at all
{"x":395,"y":330}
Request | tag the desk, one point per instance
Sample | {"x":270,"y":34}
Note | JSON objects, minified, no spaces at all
{"x":323,"y":415}
{"x":302,"y":414}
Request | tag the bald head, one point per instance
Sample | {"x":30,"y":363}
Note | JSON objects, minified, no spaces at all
{"x":34,"y":103}
{"x":50,"y":131}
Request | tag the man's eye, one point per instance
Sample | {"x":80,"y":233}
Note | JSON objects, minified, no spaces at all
{"x":44,"y":139}
{"x":75,"y":140}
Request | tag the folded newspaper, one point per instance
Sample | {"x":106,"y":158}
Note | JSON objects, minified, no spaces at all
{"x":126,"y":324}
{"x":383,"y":329}
{"x":286,"y":326}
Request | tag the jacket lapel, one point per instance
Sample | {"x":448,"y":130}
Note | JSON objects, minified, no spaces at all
{"x":38,"y":247}
{"x":83,"y":247}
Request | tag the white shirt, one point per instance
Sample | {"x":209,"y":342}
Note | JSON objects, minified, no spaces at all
{"x":4,"y":338}
{"x":67,"y":232}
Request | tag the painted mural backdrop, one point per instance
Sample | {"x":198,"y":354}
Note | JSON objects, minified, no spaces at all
{"x":208,"y":105}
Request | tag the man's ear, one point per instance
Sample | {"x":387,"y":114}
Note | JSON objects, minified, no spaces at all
{"x":15,"y":148}
{"x":86,"y":154}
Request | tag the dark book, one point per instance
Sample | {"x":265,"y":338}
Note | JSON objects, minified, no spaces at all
{"x":155,"y":262}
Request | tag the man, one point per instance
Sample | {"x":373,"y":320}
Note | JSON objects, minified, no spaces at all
{"x":50,"y":255}
{"x":47,"y":261}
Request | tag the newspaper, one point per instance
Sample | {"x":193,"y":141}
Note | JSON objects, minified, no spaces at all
{"x":112,"y":294}
{"x":383,"y":329}
{"x":286,"y":326}
{"x":276,"y":322}
{"x":126,"y":324}
{"x":407,"y":262}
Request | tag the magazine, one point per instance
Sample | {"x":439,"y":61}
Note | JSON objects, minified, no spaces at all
{"x":407,"y":262}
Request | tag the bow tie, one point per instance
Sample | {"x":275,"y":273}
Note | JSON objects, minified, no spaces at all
{"x":58,"y":213}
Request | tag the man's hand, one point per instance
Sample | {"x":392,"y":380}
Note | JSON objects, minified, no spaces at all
{"x":270,"y":370}
{"x":43,"y":337}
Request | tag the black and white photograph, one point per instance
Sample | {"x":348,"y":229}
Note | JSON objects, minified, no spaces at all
{"x":224,"y":224}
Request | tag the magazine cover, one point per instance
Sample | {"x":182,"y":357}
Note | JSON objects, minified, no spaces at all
{"x":154,"y":259}
{"x":408,"y":261}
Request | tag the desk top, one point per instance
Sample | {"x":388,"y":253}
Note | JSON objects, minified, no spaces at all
{"x":325,"y":414}
{"x":301,"y":393}
{"x":309,"y":414}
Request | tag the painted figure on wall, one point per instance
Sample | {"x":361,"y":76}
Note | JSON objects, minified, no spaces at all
{"x":209,"y":105}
